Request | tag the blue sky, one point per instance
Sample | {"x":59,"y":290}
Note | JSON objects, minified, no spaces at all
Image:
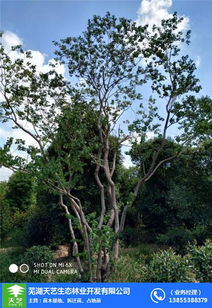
{"x":38,"y":23}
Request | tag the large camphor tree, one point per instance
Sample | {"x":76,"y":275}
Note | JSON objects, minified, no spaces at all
{"x":78,"y":121}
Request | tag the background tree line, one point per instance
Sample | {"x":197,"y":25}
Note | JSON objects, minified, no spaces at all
{"x":172,"y":209}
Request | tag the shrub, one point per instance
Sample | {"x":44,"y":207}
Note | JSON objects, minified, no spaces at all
{"x":200,"y":258}
{"x":9,"y":256}
{"x":201,"y":233}
{"x":39,"y":254}
{"x":16,"y":237}
{"x":166,"y":266}
{"x":132,"y":236}
{"x":142,"y":253}
{"x":46,"y":226}
{"x":127,"y":269}
{"x":178,"y":238}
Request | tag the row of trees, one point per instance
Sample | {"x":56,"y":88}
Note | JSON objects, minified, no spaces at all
{"x":172,"y":208}
{"x":77,"y":129}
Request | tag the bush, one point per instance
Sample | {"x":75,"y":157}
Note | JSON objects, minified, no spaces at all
{"x":200,"y":258}
{"x":37,"y":254}
{"x":9,"y":256}
{"x":16,"y":237}
{"x":127,"y":269}
{"x":142,"y":253}
{"x":166,"y":266}
{"x":201,"y":233}
{"x":132,"y":236}
{"x":178,"y":238}
{"x":38,"y":231}
{"x":46,"y":226}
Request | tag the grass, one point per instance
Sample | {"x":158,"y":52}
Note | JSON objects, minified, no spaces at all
{"x":130,"y":266}
{"x":144,"y":250}
{"x":13,"y":255}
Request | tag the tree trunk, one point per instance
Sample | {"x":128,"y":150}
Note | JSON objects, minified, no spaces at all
{"x":75,"y":245}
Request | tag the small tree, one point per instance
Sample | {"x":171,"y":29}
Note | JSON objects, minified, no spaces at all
{"x":113,"y":59}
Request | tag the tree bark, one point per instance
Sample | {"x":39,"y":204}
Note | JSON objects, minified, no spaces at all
{"x":75,"y":245}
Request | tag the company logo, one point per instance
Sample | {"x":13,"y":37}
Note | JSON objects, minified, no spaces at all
{"x":157,"y":295}
{"x":14,"y":295}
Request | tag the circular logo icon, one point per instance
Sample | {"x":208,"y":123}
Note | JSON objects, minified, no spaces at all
{"x":13,"y":268}
{"x":157,"y":295}
{"x":24,"y":268}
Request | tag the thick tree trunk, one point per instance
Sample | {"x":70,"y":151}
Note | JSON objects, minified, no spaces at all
{"x":116,"y":249}
{"x":99,"y":266}
{"x":75,"y":244}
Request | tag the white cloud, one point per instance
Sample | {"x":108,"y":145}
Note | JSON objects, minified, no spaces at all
{"x":153,"y":11}
{"x":10,"y":39}
{"x":38,"y":59}
{"x":127,"y":162}
{"x":5,"y":173}
{"x":150,"y":135}
{"x":198,"y":61}
{"x":17,"y":134}
{"x":59,"y":68}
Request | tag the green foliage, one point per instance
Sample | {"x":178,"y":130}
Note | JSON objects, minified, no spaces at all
{"x":133,"y":235}
{"x":177,"y":237}
{"x":46,"y":223}
{"x":126,"y":181}
{"x":18,"y":200}
{"x":196,"y":119}
{"x":173,"y":206}
{"x":200,"y":259}
{"x":202,"y":232}
{"x":105,"y":57}
{"x":108,"y":57}
{"x":11,"y":256}
{"x":20,"y":191}
{"x":75,"y":127}
{"x":166,"y":266}
{"x":131,"y":266}
{"x":37,"y":254}
{"x":5,"y":213}
{"x":127,"y":269}
{"x":144,"y":263}
{"x":142,"y":253}
{"x":100,"y":238}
